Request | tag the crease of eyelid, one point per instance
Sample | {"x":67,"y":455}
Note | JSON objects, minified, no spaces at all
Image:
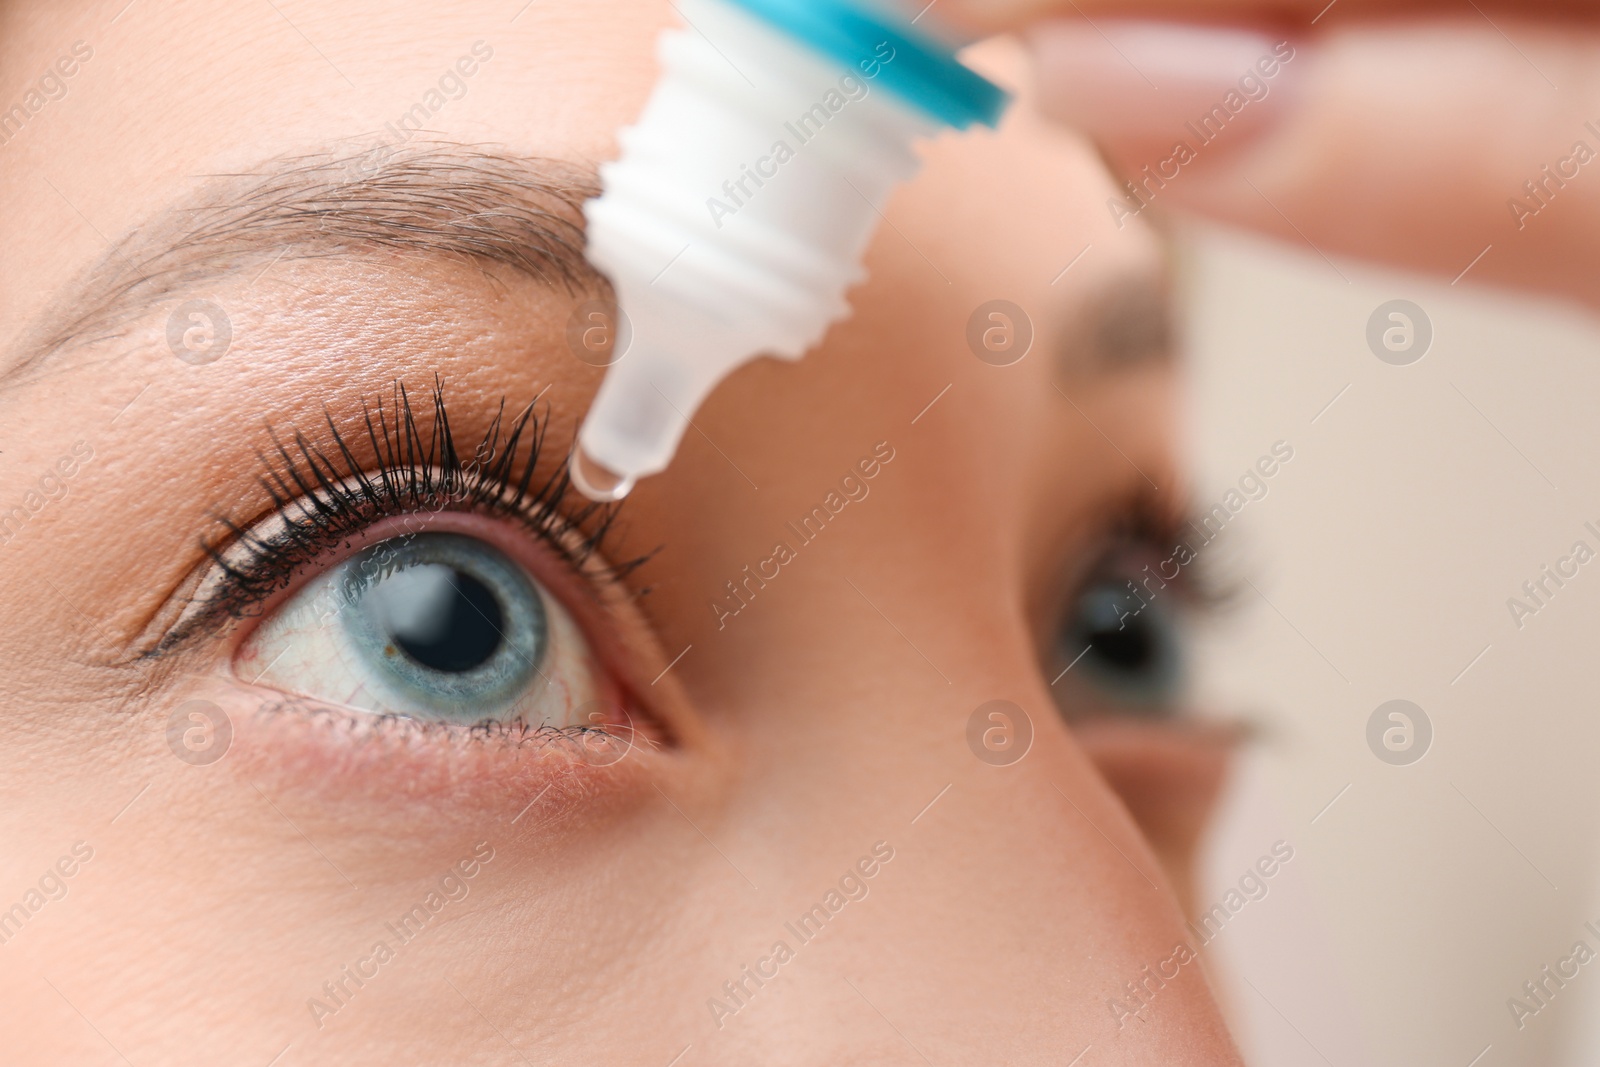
{"x":323,"y":493}
{"x":438,"y":198}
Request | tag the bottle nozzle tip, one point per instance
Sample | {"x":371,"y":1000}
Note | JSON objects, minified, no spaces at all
{"x":596,"y":481}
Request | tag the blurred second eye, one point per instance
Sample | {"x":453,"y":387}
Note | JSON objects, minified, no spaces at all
{"x":440,"y":627}
{"x":1125,"y":644}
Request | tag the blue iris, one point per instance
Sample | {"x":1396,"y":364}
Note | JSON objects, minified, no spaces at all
{"x":1128,"y":647}
{"x":444,"y":623}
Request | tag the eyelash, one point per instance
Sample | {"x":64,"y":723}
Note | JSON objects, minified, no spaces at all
{"x":324,"y":495}
{"x":1151,"y":525}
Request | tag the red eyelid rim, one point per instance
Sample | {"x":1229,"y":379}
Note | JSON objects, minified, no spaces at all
{"x":552,"y":572}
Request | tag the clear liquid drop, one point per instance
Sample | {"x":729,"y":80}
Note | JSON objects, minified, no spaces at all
{"x":596,"y":481}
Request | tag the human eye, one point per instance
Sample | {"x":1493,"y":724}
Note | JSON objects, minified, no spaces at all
{"x":397,"y":581}
{"x":435,"y":627}
{"x":1120,"y":643}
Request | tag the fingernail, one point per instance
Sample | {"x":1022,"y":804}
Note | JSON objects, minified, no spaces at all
{"x":1141,"y":88}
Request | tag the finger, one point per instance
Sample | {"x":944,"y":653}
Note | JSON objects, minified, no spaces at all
{"x":1448,"y":145}
{"x":993,"y":16}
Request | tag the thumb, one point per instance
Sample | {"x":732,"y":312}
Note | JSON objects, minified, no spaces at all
{"x":1462,"y":147}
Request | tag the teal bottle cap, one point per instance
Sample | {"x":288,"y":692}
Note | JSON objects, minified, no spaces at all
{"x":924,"y":72}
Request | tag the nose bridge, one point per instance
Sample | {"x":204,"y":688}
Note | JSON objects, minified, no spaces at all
{"x":938,"y":870}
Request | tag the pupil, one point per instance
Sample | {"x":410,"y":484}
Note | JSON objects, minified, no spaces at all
{"x":1128,"y":649}
{"x":442,"y":618}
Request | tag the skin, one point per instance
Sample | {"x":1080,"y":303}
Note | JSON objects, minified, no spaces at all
{"x":821,"y":720}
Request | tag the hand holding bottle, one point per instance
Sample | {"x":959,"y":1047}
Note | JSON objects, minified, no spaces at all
{"x":1462,"y":142}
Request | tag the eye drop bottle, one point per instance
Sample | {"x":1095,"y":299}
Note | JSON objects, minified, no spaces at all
{"x":736,"y":217}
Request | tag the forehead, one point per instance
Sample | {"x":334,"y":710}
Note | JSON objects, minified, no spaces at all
{"x":161,"y":102}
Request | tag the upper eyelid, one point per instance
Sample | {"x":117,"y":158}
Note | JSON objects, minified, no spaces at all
{"x":1161,"y":528}
{"x":323,"y":493}
{"x":1155,"y":522}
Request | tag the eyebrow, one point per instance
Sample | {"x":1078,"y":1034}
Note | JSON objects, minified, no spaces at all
{"x":475,"y":203}
{"x":1131,"y":324}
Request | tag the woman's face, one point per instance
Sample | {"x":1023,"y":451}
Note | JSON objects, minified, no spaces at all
{"x":336,"y":731}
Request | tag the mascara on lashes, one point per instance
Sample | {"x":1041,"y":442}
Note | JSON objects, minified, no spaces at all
{"x":322,"y":494}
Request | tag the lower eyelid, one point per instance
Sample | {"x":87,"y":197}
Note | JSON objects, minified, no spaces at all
{"x":435,"y":779}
